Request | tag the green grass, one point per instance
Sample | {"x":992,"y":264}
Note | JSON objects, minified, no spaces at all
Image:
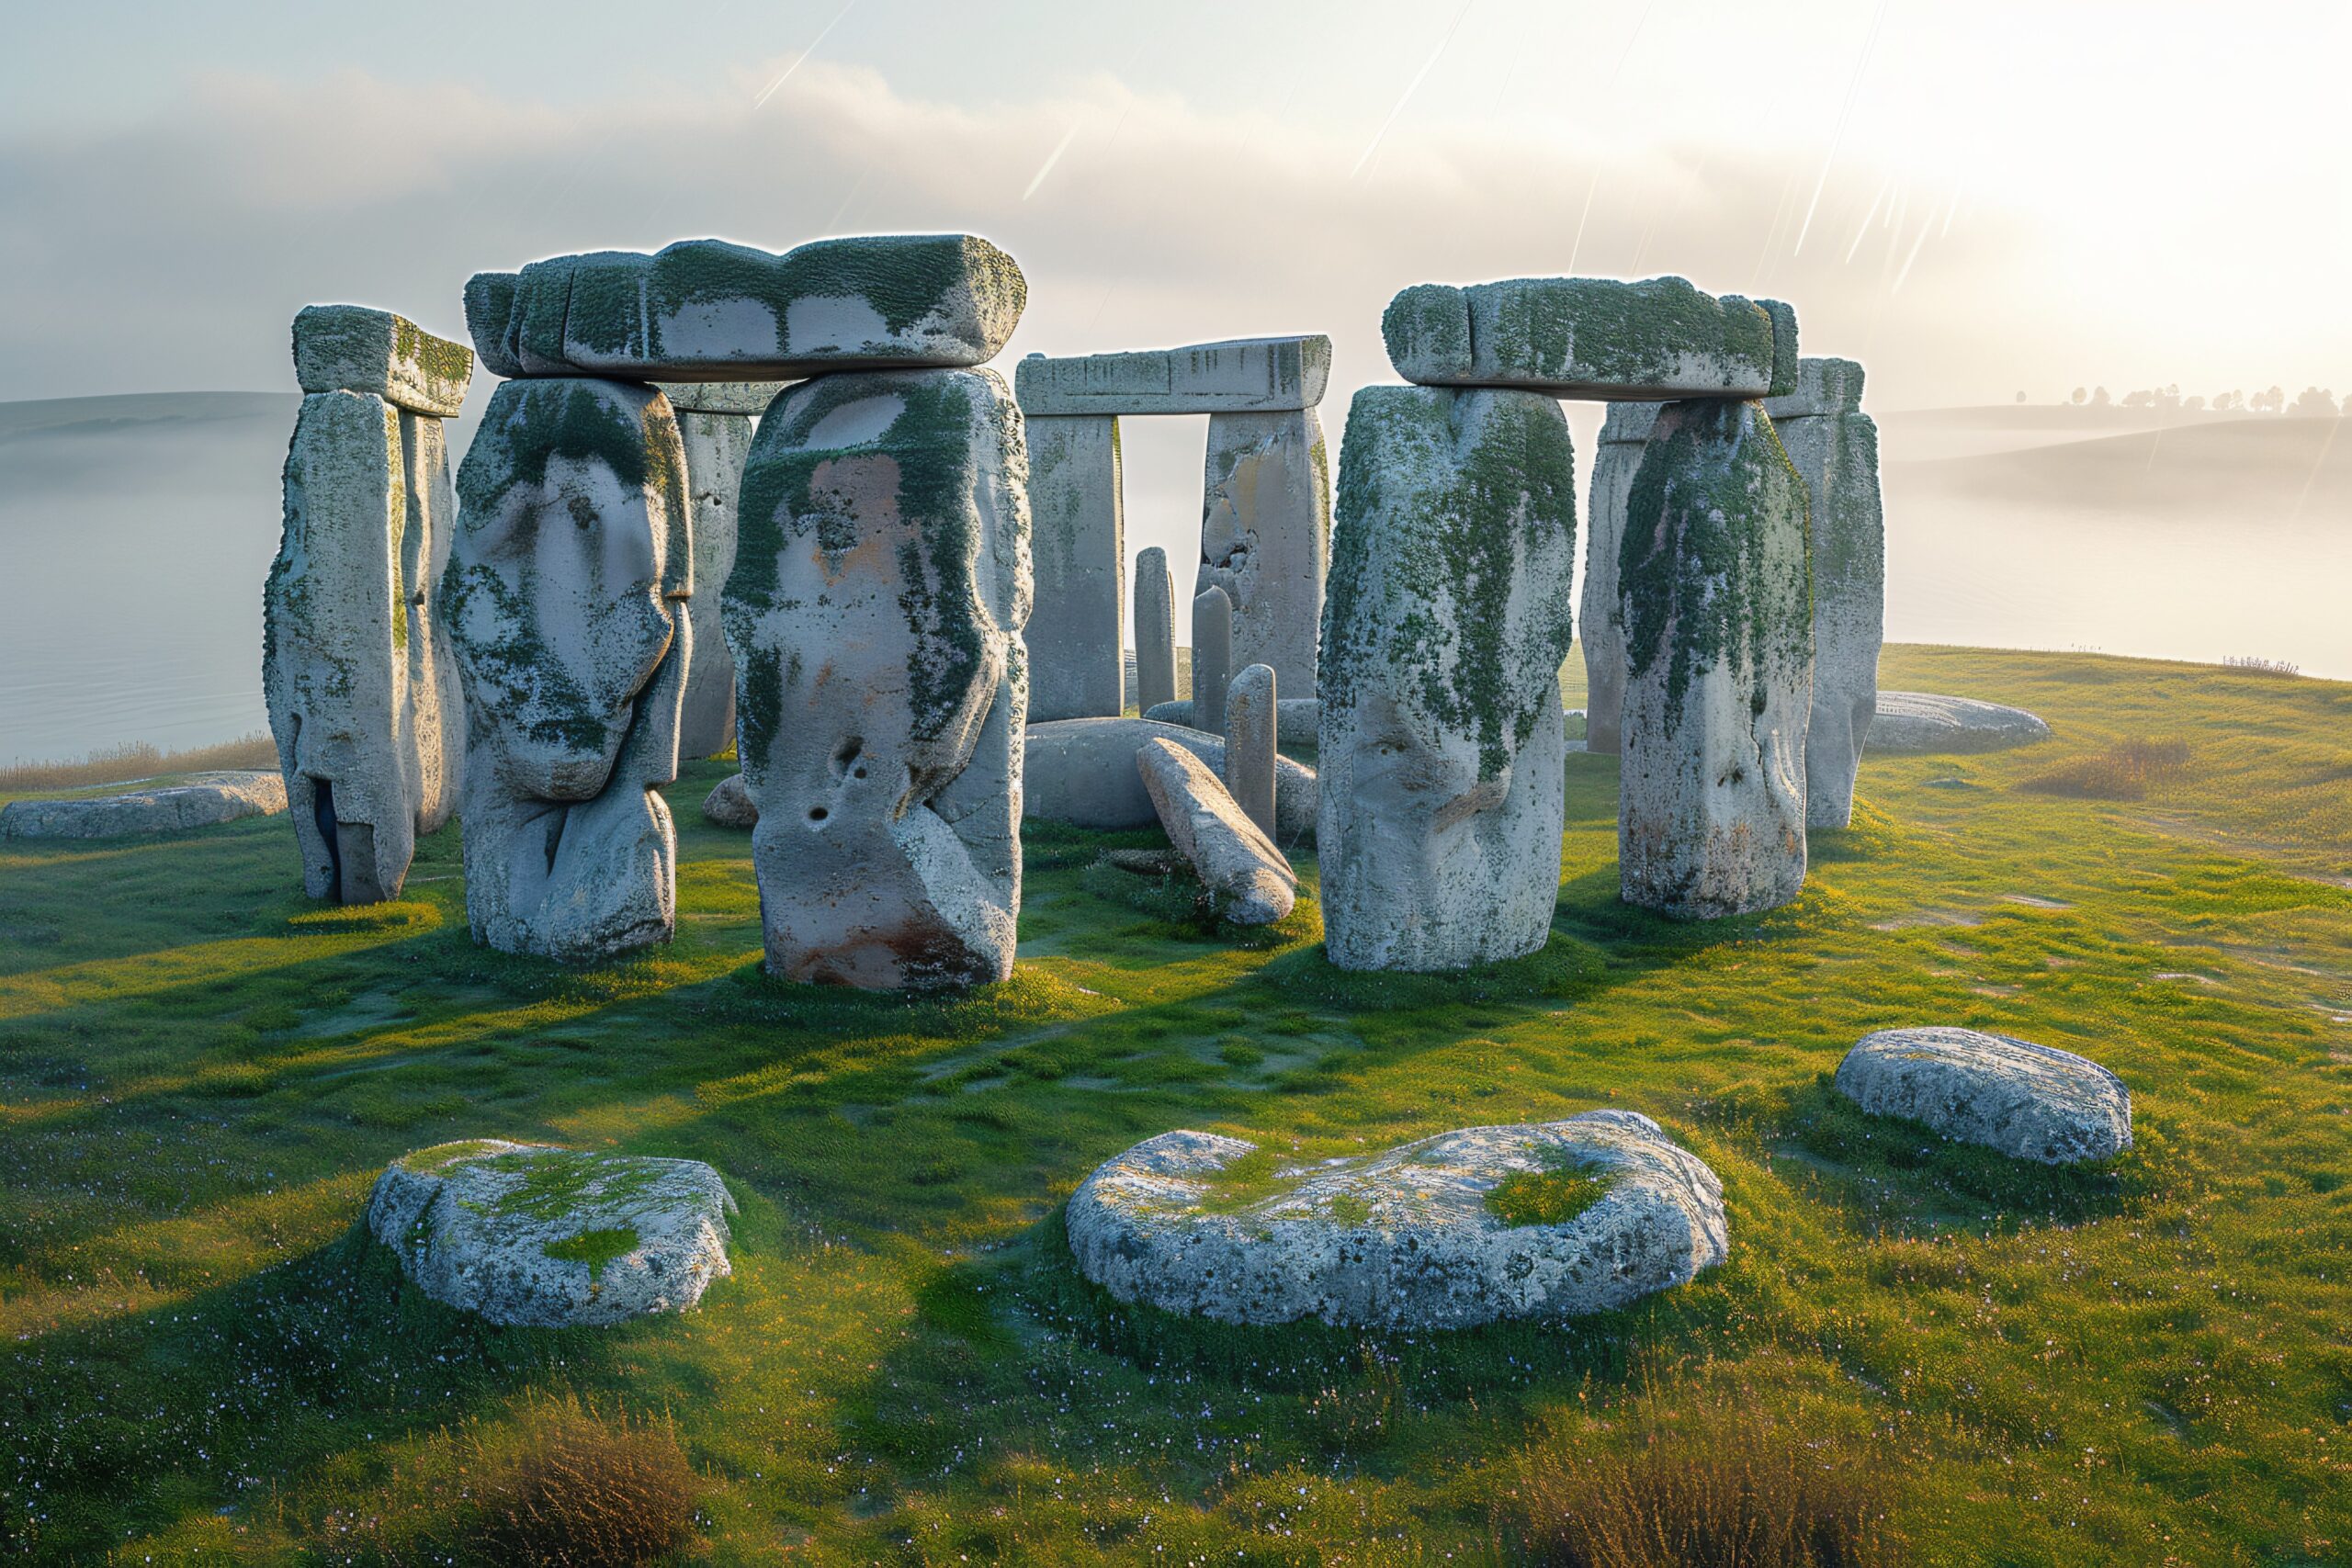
{"x":201,"y":1072}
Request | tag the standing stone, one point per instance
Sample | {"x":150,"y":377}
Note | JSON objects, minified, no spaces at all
{"x":1719,"y":666}
{"x":1078,"y":546}
{"x":716,"y":446}
{"x":1155,"y":630}
{"x":1440,"y":746}
{"x":1249,"y":744}
{"x":1599,"y":619}
{"x":563,"y":600}
{"x":1212,"y":658}
{"x":1266,"y":536}
{"x":1592,"y":337}
{"x":707,"y":310}
{"x":880,"y":587}
{"x":1834,"y":447}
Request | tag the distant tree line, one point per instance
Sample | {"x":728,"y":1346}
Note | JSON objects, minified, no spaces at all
{"x":2313,"y":402}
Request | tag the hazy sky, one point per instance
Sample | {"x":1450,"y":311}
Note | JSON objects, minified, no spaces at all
{"x":1976,"y":199}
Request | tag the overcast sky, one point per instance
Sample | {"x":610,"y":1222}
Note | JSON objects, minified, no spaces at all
{"x":1974,"y":198}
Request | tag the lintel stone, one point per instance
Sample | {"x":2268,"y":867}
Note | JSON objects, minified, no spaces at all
{"x":1244,"y":376}
{"x":352,"y":348}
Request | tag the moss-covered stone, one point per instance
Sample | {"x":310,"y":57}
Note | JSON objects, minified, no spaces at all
{"x":352,"y":348}
{"x":1715,"y":589}
{"x":1583,"y":337}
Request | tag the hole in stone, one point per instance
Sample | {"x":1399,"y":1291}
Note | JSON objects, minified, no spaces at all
{"x":816,"y":814}
{"x":846,"y":754}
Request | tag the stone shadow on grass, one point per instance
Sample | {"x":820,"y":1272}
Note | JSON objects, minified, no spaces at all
{"x":1894,"y":1177}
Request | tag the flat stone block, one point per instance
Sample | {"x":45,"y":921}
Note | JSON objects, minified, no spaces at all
{"x":350,"y":348}
{"x":201,"y":800}
{"x":1082,"y":771}
{"x":2028,"y":1102}
{"x":1590,"y":337}
{"x":721,"y":397}
{"x":1244,"y":376}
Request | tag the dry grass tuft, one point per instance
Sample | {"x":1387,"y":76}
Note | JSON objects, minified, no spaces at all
{"x":138,"y":760}
{"x":2122,"y":772}
{"x":571,"y":1489}
{"x":1711,"y":1486}
{"x":2249,"y":664}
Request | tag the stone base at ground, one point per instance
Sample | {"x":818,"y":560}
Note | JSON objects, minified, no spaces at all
{"x":2028,"y":1102}
{"x":1082,"y":772}
{"x":1249,"y":881}
{"x":1408,"y":1238}
{"x":200,"y":800}
{"x":531,"y":1235}
{"x":1914,"y":722}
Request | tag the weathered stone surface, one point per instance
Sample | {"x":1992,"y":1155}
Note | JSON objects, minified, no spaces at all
{"x":708,"y":311}
{"x":541,"y":1236}
{"x":1591,"y":337}
{"x":350,"y":348}
{"x":1082,"y":771}
{"x":730,"y":804}
{"x":1910,"y":722}
{"x":1296,"y":719}
{"x":716,"y":444}
{"x":1712,"y":578}
{"x":200,"y":800}
{"x":1601,"y":619}
{"x":355,"y":667}
{"x":1249,"y":739}
{"x":881,"y":583}
{"x":2028,"y":1102}
{"x":1440,"y":746}
{"x":1249,"y":881}
{"x":1212,"y":657}
{"x":751,"y":397}
{"x":1080,"y":547}
{"x":573,"y":551}
{"x":1835,"y":451}
{"x":1248,"y":375}
{"x":1266,"y":536}
{"x":1155,"y":630}
{"x":1407,"y":1238}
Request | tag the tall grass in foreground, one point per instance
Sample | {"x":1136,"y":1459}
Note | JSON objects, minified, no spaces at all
{"x":1710,"y":1486}
{"x":138,"y":760}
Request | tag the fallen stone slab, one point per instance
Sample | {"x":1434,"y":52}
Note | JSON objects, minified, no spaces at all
{"x":531,"y":1235}
{"x":730,"y":804}
{"x":1082,"y":772}
{"x":1249,"y":881}
{"x":350,"y":348}
{"x":1608,"y":1208}
{"x":1916,"y":722}
{"x":201,"y":800}
{"x":1295,"y":718}
{"x":1591,"y":337}
{"x":1244,"y":376}
{"x":2028,"y":1102}
{"x":708,"y":311}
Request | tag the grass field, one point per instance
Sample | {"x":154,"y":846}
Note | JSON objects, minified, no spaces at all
{"x":202,"y":1072}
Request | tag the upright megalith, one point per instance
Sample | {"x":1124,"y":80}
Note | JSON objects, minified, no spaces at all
{"x":1834,"y":447}
{"x":1448,"y":615}
{"x":708,"y":311}
{"x":362,"y":696}
{"x":1718,"y":620}
{"x":564,"y":601}
{"x":714,"y":421}
{"x":881,"y":583}
{"x":1266,"y":536}
{"x":1250,"y":737}
{"x":1076,"y":668}
{"x":1212,"y":658}
{"x":1155,"y":630}
{"x":1591,"y":337}
{"x":1601,"y":623}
